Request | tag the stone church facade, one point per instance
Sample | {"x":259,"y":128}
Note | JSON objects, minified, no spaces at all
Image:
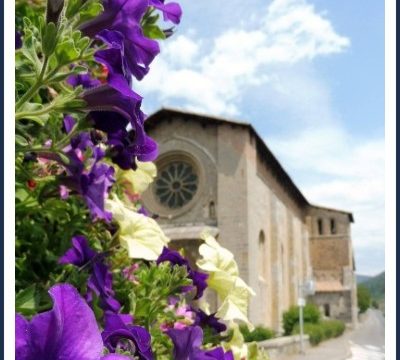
{"x":219,"y":174}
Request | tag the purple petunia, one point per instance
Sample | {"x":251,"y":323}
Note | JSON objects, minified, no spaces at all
{"x":202,"y":320}
{"x":171,"y":11}
{"x":119,"y":333}
{"x":187,"y":344}
{"x":85,"y":80}
{"x":124,"y":16}
{"x":198,"y":278}
{"x":100,"y":284}
{"x":18,"y":40}
{"x":68,"y":331}
{"x":119,"y":76}
{"x":94,"y":183}
{"x":100,"y":281}
{"x":80,"y":253}
{"x":111,"y":112}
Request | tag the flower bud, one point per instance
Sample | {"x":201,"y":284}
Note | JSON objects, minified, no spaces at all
{"x":54,"y":8}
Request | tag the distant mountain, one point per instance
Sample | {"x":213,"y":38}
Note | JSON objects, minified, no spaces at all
{"x":376,"y":286}
{"x":362,"y":278}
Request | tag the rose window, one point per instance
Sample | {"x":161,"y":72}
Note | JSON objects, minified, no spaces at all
{"x":176,"y":185}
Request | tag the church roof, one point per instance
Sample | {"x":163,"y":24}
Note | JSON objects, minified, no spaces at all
{"x":262,"y":148}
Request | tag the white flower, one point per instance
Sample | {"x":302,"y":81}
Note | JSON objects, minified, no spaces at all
{"x":140,"y":234}
{"x":224,"y":278}
{"x":137,"y":181}
{"x":242,"y":350}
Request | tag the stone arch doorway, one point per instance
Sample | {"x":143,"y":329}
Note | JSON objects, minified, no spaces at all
{"x":263,"y":281}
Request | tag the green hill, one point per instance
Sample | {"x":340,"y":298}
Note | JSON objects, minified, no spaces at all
{"x":363,"y":278}
{"x":376,"y":286}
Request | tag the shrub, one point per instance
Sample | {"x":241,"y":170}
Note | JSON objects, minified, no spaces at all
{"x":363,"y":298}
{"x":260,"y":333}
{"x":311,"y":315}
{"x":321,"y":331}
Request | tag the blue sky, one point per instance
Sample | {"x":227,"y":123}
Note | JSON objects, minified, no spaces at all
{"x":309,"y":75}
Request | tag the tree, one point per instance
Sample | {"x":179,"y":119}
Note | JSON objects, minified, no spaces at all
{"x":363,"y":298}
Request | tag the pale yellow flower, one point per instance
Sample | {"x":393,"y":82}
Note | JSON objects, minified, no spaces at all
{"x":242,"y":350}
{"x":224,"y":278}
{"x":139,"y":234}
{"x":137,"y":181}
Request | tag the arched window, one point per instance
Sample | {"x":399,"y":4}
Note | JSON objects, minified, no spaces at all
{"x":320,"y":227}
{"x":333,"y":226}
{"x":262,"y":256}
{"x":211,"y":210}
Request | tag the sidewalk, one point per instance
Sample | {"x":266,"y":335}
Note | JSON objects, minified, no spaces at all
{"x":366,"y":342}
{"x":334,"y":349}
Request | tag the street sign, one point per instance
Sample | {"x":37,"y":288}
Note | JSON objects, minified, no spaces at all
{"x":301,"y":302}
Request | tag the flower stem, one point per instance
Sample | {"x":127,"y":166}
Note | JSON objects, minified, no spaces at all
{"x":23,"y":114}
{"x":35,"y":87}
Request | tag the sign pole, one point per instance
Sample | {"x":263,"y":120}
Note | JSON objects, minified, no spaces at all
{"x":301,"y":328}
{"x":301,"y":303}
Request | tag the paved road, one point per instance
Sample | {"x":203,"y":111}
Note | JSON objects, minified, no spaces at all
{"x":367,"y":342}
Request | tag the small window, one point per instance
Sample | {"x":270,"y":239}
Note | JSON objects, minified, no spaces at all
{"x":211,"y":210}
{"x":333,"y":226}
{"x":327,"y":310}
{"x":262,"y":256}
{"x":320,"y":229}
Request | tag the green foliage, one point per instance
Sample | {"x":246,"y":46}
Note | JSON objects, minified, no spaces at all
{"x":311,"y":315}
{"x":376,"y":286}
{"x":155,"y":285}
{"x":322,"y":330}
{"x":150,"y":27}
{"x":260,"y":333}
{"x":363,"y":298}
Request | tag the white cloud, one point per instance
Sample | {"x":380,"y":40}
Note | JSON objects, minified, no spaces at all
{"x":213,"y":76}
{"x":342,"y":172}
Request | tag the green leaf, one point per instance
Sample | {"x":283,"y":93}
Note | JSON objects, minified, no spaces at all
{"x":49,"y":38}
{"x":153,"y":32}
{"x":78,"y":69}
{"x":26,"y":301}
{"x":83,"y":43}
{"x":132,"y":302}
{"x":64,"y":158}
{"x":90,"y":10}
{"x":20,"y":140}
{"x":73,"y":105}
{"x":21,"y":194}
{"x":72,"y":8}
{"x":66,"y":52}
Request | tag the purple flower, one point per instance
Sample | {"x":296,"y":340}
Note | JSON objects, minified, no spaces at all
{"x":126,"y":148}
{"x":187,"y":344}
{"x":198,"y":278}
{"x":68,"y":331}
{"x":124,"y":16}
{"x":219,"y":354}
{"x":111,"y":112}
{"x":118,"y":329}
{"x":202,"y":320}
{"x":68,"y":123}
{"x":119,"y":76}
{"x":83,"y":79}
{"x":171,"y":11}
{"x":79,"y":254}
{"x":100,"y":283}
{"x":18,"y":40}
{"x":94,"y":188}
{"x":92,"y":184}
